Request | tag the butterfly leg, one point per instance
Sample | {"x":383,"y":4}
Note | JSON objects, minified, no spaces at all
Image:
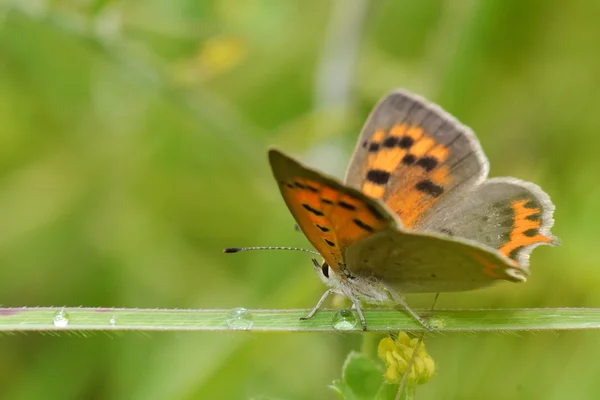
{"x":319,"y":304}
{"x":397,"y":297}
{"x":361,"y":316}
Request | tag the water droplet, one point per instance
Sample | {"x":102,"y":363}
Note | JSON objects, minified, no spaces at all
{"x":112,"y":321}
{"x":344,"y":320}
{"x":240,"y":318}
{"x":61,"y":319}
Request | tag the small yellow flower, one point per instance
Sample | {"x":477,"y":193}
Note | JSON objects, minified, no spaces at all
{"x":217,"y":55}
{"x":397,"y":354}
{"x":221,"y":53}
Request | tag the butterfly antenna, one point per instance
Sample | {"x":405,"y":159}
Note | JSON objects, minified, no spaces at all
{"x":238,"y":249}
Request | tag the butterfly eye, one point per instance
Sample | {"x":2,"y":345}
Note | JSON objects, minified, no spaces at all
{"x":325,"y":269}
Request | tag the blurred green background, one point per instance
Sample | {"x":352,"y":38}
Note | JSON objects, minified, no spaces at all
{"x":133,"y":138}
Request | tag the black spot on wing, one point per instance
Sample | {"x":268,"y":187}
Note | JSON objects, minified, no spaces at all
{"x":390,"y":141}
{"x":347,"y":206}
{"x":322,"y":228}
{"x":530,"y":232}
{"x":312,"y":210}
{"x":327,"y":201}
{"x":533,"y":217}
{"x":409,"y":159}
{"x":378,"y":176}
{"x":364,"y":144}
{"x":373,"y":147}
{"x":329,"y":242}
{"x":362,"y":225}
{"x":430,"y":188}
{"x":406,"y":142}
{"x":427,"y":163}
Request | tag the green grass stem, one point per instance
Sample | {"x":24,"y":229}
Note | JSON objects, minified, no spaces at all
{"x":381,"y":320}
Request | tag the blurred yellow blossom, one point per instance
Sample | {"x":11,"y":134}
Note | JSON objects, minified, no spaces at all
{"x":217,"y":55}
{"x":397,"y":354}
{"x":221,"y":53}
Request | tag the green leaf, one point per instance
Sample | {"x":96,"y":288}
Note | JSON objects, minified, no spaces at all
{"x":361,"y":378}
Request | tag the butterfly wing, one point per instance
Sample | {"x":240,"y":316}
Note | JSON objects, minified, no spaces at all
{"x":410,"y":262}
{"x":507,"y":214}
{"x":331,"y":215}
{"x":431,"y":171}
{"x":412,"y":154}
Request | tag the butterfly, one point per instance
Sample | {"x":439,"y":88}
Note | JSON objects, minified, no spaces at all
{"x":416,"y":212}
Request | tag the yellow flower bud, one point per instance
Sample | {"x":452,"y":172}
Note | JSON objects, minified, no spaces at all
{"x":397,"y":354}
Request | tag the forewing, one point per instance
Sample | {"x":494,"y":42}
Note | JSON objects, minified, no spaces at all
{"x":331,"y":215}
{"x":409,"y":262}
{"x":412,"y":154}
{"x":507,"y":214}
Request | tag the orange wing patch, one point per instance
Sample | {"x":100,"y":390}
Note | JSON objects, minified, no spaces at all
{"x":417,"y":163}
{"x":331,"y":219}
{"x":525,"y":231}
{"x":495,"y":270}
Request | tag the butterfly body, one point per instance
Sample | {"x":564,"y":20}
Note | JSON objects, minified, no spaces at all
{"x":416,"y":212}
